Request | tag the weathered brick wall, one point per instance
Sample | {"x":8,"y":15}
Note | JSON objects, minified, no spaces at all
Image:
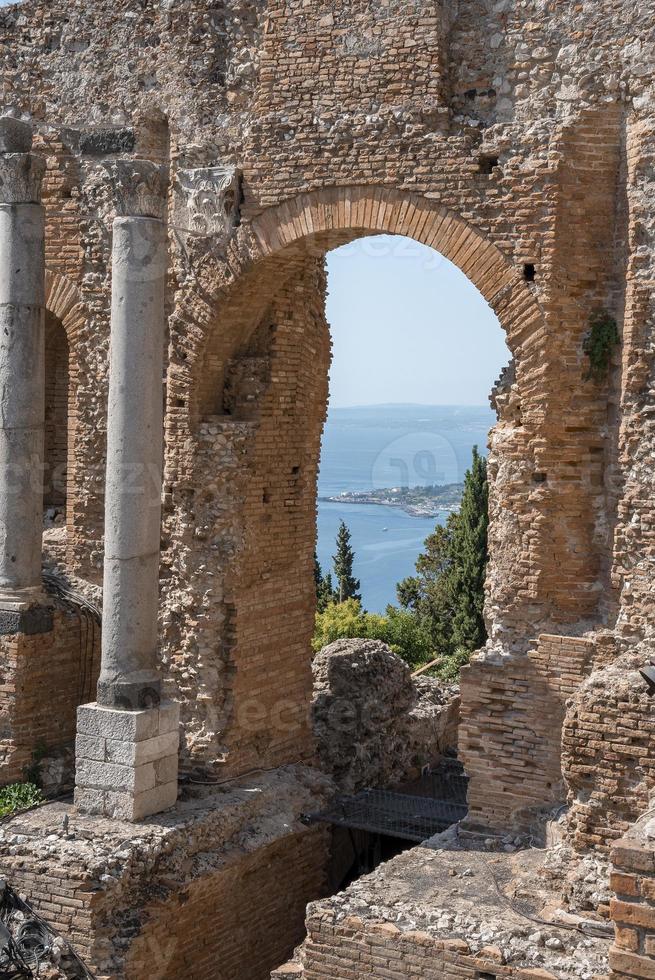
{"x":634,"y":543}
{"x":346,"y":119}
{"x":248,"y":644}
{"x":608,"y":756}
{"x":511,"y":723}
{"x":236,"y":923}
{"x":352,"y":949}
{"x":633,"y":907}
{"x":217,"y":890}
{"x":43,"y":678}
{"x":64,"y":896}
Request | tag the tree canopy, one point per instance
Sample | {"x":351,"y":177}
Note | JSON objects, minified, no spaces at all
{"x":441,"y":610}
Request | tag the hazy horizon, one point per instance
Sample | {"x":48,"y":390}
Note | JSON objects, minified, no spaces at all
{"x":417,"y":405}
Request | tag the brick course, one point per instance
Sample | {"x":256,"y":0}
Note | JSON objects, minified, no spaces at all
{"x":514,"y":138}
{"x":633,"y":907}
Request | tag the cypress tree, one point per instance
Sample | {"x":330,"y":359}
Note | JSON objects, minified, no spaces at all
{"x":324,"y":588}
{"x":347,"y":587}
{"x":469,"y":559}
{"x":428,"y":594}
{"x":447,"y":592}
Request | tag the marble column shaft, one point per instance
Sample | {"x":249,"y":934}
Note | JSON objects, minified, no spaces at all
{"x":129,"y":673}
{"x":22,"y":365}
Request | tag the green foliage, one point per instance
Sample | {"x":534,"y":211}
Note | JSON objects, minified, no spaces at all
{"x":450,"y":668}
{"x":325,"y":593}
{"x":401,"y":630}
{"x":427,"y":594}
{"x":347,"y":586}
{"x":599,"y":344}
{"x":447,"y":592}
{"x":441,"y":612}
{"x":469,"y":556}
{"x":405,"y":634}
{"x":339,"y":621}
{"x":19,"y":796}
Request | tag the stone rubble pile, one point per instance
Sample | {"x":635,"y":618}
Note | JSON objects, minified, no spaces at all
{"x":374,"y":724}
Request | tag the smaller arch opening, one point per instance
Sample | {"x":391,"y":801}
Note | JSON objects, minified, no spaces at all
{"x":57,"y":377}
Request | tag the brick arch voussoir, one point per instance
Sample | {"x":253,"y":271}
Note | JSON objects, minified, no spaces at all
{"x":326,"y":218}
{"x":63,"y":300}
{"x":387,"y":211}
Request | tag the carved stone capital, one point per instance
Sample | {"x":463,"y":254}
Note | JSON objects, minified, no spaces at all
{"x":206,"y":201}
{"x":15,"y":135}
{"x":21,"y":175}
{"x":140,"y":188}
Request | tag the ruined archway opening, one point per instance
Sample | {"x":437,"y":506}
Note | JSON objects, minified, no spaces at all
{"x":259,"y":408}
{"x":57,"y":387}
{"x":416,"y":351}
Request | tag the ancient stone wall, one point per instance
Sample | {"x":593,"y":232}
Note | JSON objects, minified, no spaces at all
{"x":235,"y":923}
{"x":383,"y":951}
{"x":216,"y":890}
{"x":44,"y":676}
{"x":375,"y":725}
{"x":608,"y":756}
{"x":511,"y":721}
{"x":633,"y":542}
{"x":633,"y":907}
{"x":246,"y":647}
{"x":511,"y":137}
{"x":445,"y":911}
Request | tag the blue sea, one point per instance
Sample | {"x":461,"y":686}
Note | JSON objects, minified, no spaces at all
{"x":378,"y":446}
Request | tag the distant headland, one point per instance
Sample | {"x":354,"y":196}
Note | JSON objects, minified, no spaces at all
{"x":427,"y":501}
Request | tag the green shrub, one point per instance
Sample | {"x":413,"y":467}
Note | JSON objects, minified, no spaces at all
{"x":406,"y":634}
{"x":451,"y":666}
{"x":599,"y":344}
{"x":19,"y":796}
{"x":401,"y":630}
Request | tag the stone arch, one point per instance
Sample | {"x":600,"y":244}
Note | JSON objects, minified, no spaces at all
{"x":247,"y":481}
{"x":340,"y":214}
{"x":66,"y":315}
{"x":63,"y":301}
{"x":316,"y":222}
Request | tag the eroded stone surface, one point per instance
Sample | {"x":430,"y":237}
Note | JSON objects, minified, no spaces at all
{"x":454,"y":910}
{"x":374,"y":724}
{"x":516,"y":139}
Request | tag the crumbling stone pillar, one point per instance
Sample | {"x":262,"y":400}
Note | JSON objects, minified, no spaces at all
{"x":127,"y":743}
{"x":22,"y":379}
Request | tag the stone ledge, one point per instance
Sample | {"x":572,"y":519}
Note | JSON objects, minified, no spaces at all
{"x":30,"y":622}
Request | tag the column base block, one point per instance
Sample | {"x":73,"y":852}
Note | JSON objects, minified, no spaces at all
{"x":126,"y":761}
{"x":27,"y":611}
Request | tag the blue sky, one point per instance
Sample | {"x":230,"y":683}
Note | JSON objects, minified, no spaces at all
{"x":408,"y":326}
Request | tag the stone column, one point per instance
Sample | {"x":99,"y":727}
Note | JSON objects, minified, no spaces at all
{"x":22,"y":376}
{"x":127,"y":743}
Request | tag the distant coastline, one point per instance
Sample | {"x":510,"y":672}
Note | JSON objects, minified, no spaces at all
{"x":430,"y":501}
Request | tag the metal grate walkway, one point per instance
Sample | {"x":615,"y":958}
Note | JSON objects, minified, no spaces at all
{"x":382,"y":811}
